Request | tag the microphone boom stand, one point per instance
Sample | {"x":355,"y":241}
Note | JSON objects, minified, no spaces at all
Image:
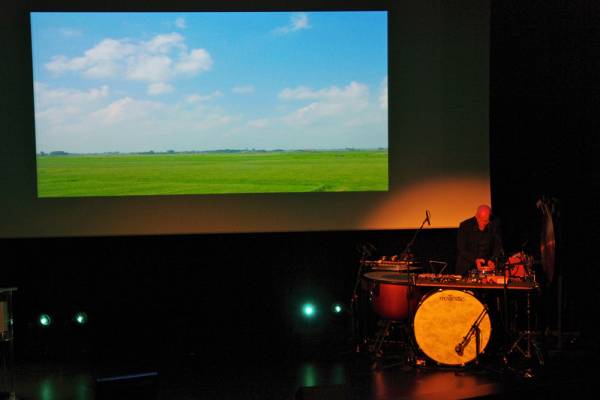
{"x":411,"y":282}
{"x":474,"y":330}
{"x":406,"y":251}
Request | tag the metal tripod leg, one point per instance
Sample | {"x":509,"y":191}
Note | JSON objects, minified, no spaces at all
{"x":384,"y":332}
{"x":530,"y":342}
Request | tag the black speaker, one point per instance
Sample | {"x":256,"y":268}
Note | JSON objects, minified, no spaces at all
{"x":333,"y":392}
{"x":130,"y":386}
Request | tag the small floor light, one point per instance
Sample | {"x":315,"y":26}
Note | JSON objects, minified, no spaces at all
{"x":44,"y":320}
{"x":308,"y":310}
{"x":337,"y":308}
{"x":80,"y":318}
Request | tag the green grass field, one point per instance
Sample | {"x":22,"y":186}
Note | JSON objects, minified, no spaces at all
{"x":212,"y":173}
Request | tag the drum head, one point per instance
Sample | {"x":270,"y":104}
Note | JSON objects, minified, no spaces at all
{"x":441,"y":322}
{"x":390,"y":277}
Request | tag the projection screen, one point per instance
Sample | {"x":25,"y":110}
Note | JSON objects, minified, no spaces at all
{"x":131,"y":120}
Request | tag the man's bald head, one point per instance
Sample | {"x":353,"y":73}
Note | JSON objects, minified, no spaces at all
{"x":483,"y":216}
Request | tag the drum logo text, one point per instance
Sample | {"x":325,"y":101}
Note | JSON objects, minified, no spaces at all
{"x":451,"y":298}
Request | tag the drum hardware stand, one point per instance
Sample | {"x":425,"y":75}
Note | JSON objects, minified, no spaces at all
{"x":385,"y":330}
{"x":365,"y":250}
{"x":505,"y":278}
{"x":505,"y":273}
{"x":412,"y":285}
{"x":530,"y":342}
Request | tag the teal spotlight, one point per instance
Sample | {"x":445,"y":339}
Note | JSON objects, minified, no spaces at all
{"x":309,"y":310}
{"x":44,"y":320}
{"x":80,"y":318}
{"x":337,"y":308}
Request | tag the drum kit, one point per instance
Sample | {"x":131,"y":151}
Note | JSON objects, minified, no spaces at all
{"x":449,"y":318}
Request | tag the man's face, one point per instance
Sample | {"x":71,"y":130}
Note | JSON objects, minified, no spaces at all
{"x":483,"y":218}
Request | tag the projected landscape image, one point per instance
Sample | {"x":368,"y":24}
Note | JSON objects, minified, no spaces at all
{"x":210,"y":103}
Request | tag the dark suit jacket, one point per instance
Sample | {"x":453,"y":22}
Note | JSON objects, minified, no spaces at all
{"x":468,"y":244}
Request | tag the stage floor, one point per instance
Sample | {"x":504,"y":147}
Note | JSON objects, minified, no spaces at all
{"x":322,"y":374}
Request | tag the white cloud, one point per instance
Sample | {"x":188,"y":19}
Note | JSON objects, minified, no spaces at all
{"x":155,"y":89}
{"x":56,"y":116}
{"x":327,"y":104}
{"x":70,"y":33}
{"x":258,"y":123}
{"x":246,"y":89}
{"x":195,"y":98}
{"x":57,"y":106}
{"x":101,"y":61}
{"x":353,"y":90}
{"x":163,"y":44}
{"x":95,"y":120}
{"x":46,"y":96}
{"x":197,"y":60}
{"x":90,"y":121}
{"x":114,"y":111}
{"x":299,"y":93}
{"x":320,"y":118}
{"x":149,"y":68}
{"x":213,"y":121}
{"x":180,"y":23}
{"x":313,"y":112}
{"x":162,"y":58}
{"x":298,"y":21}
{"x":126,"y":109}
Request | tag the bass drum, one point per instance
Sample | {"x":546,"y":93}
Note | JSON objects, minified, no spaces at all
{"x":442,"y":321}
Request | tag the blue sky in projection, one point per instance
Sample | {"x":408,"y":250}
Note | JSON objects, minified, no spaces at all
{"x":204,"y":81}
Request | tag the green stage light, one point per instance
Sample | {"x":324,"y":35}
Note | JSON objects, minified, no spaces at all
{"x":308,"y":310}
{"x":44,"y":320}
{"x":80,"y":318}
{"x":337,"y":308}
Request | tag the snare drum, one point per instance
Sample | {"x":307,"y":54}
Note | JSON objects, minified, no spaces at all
{"x":442,"y":321}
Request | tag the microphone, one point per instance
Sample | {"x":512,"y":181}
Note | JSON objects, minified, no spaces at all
{"x":459,"y":349}
{"x":428,"y":217}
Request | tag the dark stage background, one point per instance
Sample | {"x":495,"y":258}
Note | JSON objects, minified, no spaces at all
{"x":216,"y":297}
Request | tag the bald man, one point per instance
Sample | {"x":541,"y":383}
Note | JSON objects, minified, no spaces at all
{"x":479,"y":242}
